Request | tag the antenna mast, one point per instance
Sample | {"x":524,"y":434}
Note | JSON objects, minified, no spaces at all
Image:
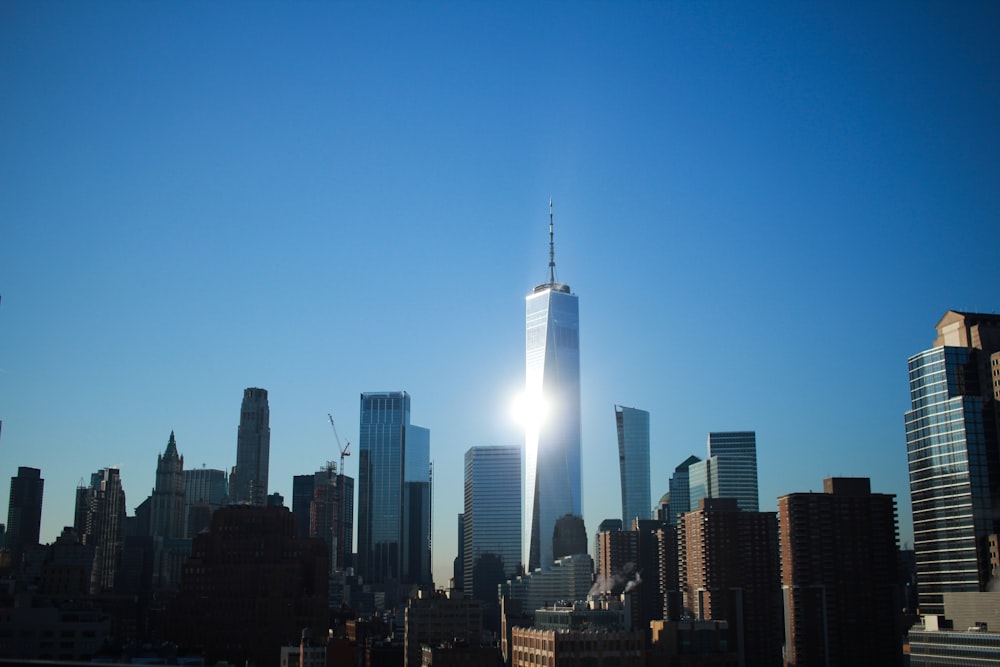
{"x":552,"y":249}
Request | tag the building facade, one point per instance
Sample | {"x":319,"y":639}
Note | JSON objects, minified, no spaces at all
{"x":730,"y":471}
{"x":394,"y":509}
{"x":100,"y":523}
{"x":249,"y":586}
{"x":24,"y":511}
{"x":632,"y":426}
{"x":205,"y":489}
{"x":492,"y":516}
{"x":552,"y":396}
{"x":728,"y":569}
{"x":167,"y":505}
{"x":248,"y":483}
{"x":679,"y":489}
{"x":953,"y":452}
{"x":839,"y":575}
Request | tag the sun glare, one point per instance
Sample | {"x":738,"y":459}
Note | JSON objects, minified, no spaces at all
{"x":529,"y":411}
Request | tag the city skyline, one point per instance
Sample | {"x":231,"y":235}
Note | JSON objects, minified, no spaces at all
{"x":764,"y":210}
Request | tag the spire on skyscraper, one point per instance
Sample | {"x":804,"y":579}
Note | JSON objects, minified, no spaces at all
{"x":552,"y":249}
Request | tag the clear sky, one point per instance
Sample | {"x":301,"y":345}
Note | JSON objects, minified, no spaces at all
{"x":763,"y":207}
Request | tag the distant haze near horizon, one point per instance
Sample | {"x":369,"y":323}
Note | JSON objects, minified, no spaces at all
{"x":763,"y":210}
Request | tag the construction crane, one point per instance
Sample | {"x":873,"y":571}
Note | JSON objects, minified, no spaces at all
{"x":343,"y":450}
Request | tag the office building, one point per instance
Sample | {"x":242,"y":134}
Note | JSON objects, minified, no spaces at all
{"x":249,"y":586}
{"x":953,"y":452}
{"x":433,"y":618}
{"x":458,"y":568}
{"x":24,"y":512}
{"x":394,"y":494}
{"x":569,"y":578}
{"x":558,"y":647}
{"x":100,"y":523}
{"x":633,"y":462}
{"x":839,"y":575}
{"x":492,"y":517}
{"x":728,"y":569}
{"x":680,"y":489}
{"x":730,"y":471}
{"x":248,"y":483}
{"x":552,"y":398}
{"x":167,"y":505}
{"x":205,"y":490}
{"x":967,"y":632}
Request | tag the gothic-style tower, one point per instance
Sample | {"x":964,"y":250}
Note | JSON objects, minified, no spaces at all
{"x":167,"y":507}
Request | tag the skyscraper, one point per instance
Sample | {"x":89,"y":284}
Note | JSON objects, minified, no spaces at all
{"x":248,"y":483}
{"x":839,"y":575}
{"x":24,"y":511}
{"x":953,"y":448}
{"x":100,"y":521}
{"x":552,"y":398}
{"x":728,"y":568}
{"x":394,"y":494}
{"x":492,"y":515}
{"x":167,"y":511}
{"x":633,"y":462}
{"x":730,"y":471}
{"x":680,"y":489}
{"x":329,"y":512}
{"x":205,"y":489}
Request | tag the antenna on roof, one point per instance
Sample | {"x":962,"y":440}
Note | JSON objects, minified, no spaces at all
{"x":552,"y":249}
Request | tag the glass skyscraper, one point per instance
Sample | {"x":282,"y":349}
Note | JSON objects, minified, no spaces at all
{"x":394,"y":494}
{"x":552,"y":394}
{"x":952,"y":451}
{"x":680,"y":489}
{"x":730,"y":471}
{"x":633,"y":462}
{"x":248,"y":483}
{"x":492,"y":515}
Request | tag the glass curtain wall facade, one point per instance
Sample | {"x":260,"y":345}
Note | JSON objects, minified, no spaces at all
{"x":730,"y":471}
{"x":633,"y":462}
{"x":393,"y":492}
{"x":949,"y":470}
{"x":492,"y":516}
{"x":253,"y":449}
{"x":680,"y":489}
{"x":552,"y":438}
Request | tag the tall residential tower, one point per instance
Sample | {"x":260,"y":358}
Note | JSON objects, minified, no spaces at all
{"x":248,"y":483}
{"x":633,"y":462}
{"x":953,"y":449}
{"x":552,"y":396}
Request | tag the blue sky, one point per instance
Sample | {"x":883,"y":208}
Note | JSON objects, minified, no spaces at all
{"x":764,"y":209}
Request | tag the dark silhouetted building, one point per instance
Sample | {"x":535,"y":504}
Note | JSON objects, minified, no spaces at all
{"x":250,"y":586}
{"x":167,"y":510}
{"x":24,"y":511}
{"x":632,"y":426}
{"x":728,"y":569}
{"x":839,"y":575}
{"x":953,"y":452}
{"x":204,"y":489}
{"x":248,"y":483}
{"x":680,"y":489}
{"x":569,"y":537}
{"x":434,"y":618}
{"x":100,"y":523}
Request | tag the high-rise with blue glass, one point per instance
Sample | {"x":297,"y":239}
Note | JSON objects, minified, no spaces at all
{"x":953,"y":452}
{"x":552,"y":396}
{"x":730,"y":471}
{"x":633,"y":462}
{"x":492,"y":516}
{"x":394,"y":493}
